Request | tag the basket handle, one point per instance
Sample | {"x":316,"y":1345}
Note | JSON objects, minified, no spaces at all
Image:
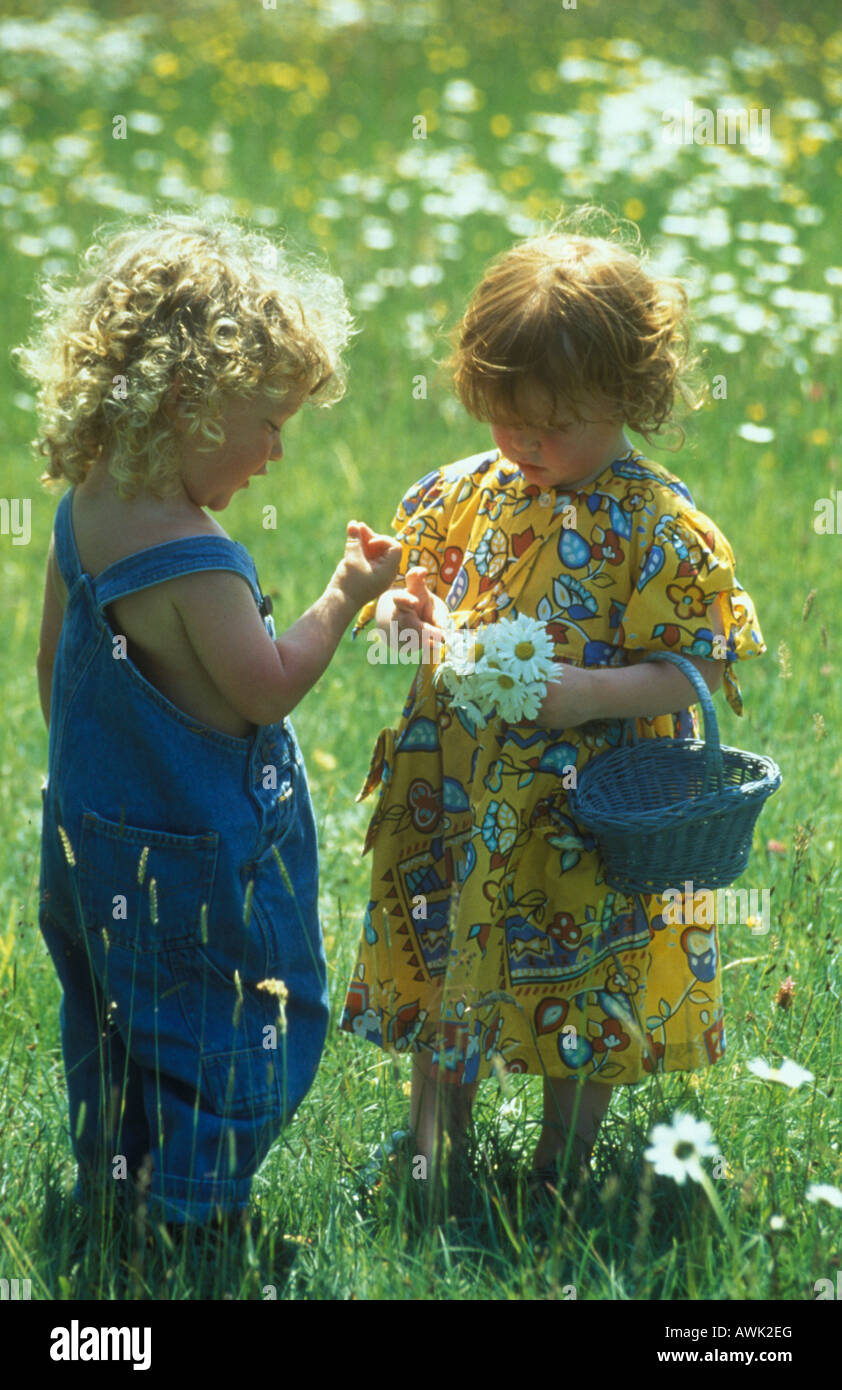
{"x":713,"y":754}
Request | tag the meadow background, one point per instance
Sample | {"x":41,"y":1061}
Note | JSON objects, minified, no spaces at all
{"x":300,"y":118}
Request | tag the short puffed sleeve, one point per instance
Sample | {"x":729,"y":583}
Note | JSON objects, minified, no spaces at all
{"x":687,"y":599}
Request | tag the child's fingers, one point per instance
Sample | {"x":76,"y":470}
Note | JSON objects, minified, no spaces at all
{"x":408,"y":602}
{"x":375,"y":546}
{"x":416,"y":581}
{"x":389,"y":563}
{"x":361,"y":531}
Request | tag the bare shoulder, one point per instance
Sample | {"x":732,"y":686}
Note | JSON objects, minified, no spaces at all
{"x":198,"y":638}
{"x":107,"y":529}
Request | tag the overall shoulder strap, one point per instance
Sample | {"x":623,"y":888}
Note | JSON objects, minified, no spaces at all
{"x":171,"y":558}
{"x":65,"y":546}
{"x":156,"y":563}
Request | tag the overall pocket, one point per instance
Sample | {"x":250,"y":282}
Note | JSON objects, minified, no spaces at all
{"x":145,"y":902}
{"x":279,"y":783}
{"x":244,"y":1084}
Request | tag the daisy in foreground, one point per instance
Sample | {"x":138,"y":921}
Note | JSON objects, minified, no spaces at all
{"x":789,"y":1074}
{"x":677,"y":1149}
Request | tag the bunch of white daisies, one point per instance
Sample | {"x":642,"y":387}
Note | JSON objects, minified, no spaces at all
{"x":499,"y":670}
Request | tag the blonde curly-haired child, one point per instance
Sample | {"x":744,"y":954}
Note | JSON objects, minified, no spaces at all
{"x":179,"y":868}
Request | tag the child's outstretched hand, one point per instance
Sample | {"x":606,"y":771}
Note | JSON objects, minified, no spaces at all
{"x":415,"y":607}
{"x":369,"y":565}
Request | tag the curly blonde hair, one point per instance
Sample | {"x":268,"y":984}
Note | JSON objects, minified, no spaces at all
{"x":569,"y":317}
{"x":199,"y":303}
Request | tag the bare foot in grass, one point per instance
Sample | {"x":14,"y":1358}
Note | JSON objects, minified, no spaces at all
{"x":440,"y":1115}
{"x":564,"y":1114}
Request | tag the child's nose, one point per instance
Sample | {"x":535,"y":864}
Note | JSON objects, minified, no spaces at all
{"x":525,"y":439}
{"x":519,"y":441}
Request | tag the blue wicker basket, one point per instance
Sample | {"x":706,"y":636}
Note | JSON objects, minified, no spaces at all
{"x":667,"y":810}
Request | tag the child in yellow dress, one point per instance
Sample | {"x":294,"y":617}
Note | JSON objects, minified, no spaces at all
{"x":490,"y":935}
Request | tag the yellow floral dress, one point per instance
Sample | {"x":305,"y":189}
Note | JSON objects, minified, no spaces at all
{"x":490,"y":934}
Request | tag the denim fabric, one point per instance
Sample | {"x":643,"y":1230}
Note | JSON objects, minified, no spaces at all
{"x":170,"y":1049}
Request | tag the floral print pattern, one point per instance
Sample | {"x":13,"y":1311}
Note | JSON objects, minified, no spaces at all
{"x":491,"y":933}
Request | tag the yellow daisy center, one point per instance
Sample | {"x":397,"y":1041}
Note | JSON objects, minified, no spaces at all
{"x":505,"y":681}
{"x":524,"y":651}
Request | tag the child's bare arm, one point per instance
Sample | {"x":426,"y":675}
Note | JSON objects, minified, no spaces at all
{"x":412,"y":607}
{"x":641,"y":691}
{"x":622,"y":692}
{"x":264,"y":680}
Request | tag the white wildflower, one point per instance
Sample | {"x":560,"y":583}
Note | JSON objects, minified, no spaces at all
{"x":460,"y":651}
{"x":524,"y":648}
{"x":513,"y":699}
{"x":500,"y":668}
{"x":823,"y":1192}
{"x":789,"y":1074}
{"x":677,"y":1149}
{"x":757,"y":434}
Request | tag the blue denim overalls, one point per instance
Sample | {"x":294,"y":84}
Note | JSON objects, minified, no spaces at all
{"x":185,"y":873}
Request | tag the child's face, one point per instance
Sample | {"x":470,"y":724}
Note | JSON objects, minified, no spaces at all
{"x":573,"y":452}
{"x":252,"y":437}
{"x":556,"y":457}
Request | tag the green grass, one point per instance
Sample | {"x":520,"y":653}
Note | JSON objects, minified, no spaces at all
{"x":343,"y":111}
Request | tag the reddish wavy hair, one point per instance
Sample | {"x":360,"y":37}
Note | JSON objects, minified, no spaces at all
{"x":568,"y":319}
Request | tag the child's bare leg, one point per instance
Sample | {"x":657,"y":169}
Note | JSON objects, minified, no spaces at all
{"x":437,"y":1108}
{"x":559,"y":1104}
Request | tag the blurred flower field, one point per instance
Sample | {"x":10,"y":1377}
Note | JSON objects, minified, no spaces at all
{"x":409,"y":143}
